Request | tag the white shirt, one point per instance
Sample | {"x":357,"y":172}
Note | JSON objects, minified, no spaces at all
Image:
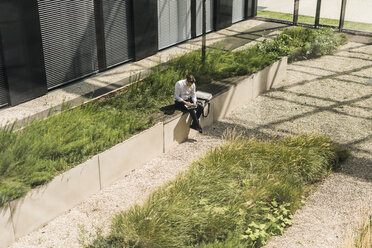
{"x":183,"y":92}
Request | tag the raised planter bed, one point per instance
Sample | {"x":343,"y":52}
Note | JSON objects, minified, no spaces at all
{"x":46,"y":202}
{"x":130,"y":154}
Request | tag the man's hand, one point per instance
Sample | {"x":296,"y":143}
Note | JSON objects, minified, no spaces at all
{"x":187,"y":103}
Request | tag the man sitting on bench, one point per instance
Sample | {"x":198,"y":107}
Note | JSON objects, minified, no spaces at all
{"x":185,"y":100}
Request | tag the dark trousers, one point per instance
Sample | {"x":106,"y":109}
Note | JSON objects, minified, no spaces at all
{"x":195,"y":115}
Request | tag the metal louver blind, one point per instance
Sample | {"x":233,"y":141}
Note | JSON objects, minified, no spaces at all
{"x":199,"y":16}
{"x":117,"y":31}
{"x":69,"y":40}
{"x":174,"y":22}
{"x":3,"y":88}
{"x":237,"y":10}
{"x":250,"y":8}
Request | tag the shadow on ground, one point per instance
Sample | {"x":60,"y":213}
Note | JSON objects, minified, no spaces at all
{"x":354,"y":109}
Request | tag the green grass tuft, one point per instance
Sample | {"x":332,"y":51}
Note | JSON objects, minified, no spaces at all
{"x":238,"y":195}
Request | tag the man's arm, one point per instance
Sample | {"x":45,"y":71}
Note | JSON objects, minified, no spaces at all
{"x":177,"y":93}
{"x":193,"y":94}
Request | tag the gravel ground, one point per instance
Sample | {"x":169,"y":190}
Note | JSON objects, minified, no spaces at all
{"x":331,"y":95}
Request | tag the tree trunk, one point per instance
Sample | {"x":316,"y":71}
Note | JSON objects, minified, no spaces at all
{"x":204,"y":27}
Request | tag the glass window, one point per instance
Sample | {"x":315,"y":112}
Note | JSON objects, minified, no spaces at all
{"x":307,"y":10}
{"x":282,"y":10}
{"x":358,"y":15}
{"x":330,"y":12}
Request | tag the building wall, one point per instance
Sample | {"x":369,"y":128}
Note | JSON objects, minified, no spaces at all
{"x":118,"y":31}
{"x":47,"y":43}
{"x":238,"y":10}
{"x":69,"y":40}
{"x":174,"y":22}
{"x":209,"y":6}
{"x":3,"y":86}
{"x":22,"y":53}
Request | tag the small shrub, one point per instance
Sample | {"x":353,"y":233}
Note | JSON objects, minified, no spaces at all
{"x":304,"y":43}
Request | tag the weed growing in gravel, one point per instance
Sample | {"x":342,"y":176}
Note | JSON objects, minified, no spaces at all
{"x":238,"y":195}
{"x":362,"y":236}
{"x":364,"y":240}
{"x":46,"y":148}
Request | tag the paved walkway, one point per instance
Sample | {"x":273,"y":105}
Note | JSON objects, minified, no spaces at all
{"x":331,"y":95}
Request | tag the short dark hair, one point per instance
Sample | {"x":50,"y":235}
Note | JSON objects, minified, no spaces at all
{"x":190,"y":78}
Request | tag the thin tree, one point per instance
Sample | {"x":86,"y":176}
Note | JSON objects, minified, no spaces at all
{"x":204,"y":25}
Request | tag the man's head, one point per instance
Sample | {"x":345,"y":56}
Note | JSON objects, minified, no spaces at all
{"x":190,"y":80}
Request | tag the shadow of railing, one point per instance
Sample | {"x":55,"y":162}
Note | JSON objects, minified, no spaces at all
{"x":358,"y":166}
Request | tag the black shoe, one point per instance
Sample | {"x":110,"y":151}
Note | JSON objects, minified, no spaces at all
{"x":194,"y":127}
{"x":199,"y":128}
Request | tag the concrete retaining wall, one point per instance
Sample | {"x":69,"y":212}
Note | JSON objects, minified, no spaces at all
{"x":130,"y":154}
{"x":46,"y":202}
{"x":176,"y":130}
{"x":6,"y":227}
